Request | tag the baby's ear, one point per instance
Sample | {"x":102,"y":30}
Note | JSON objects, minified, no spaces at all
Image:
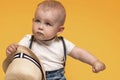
{"x":60,"y":30}
{"x":32,"y":19}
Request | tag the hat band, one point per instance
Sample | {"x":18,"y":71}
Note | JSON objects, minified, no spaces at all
{"x":23,"y":55}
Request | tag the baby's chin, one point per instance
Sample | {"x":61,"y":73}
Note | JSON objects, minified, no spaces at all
{"x":41,"y":39}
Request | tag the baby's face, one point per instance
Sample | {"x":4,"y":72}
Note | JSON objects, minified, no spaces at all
{"x":45,"y":24}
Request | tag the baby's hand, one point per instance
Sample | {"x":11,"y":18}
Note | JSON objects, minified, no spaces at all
{"x":11,"y":49}
{"x":98,"y":66}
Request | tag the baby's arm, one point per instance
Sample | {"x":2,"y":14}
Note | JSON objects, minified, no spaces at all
{"x":11,"y":48}
{"x":88,"y":58}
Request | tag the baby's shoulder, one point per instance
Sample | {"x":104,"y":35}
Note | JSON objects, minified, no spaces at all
{"x":27,"y":36}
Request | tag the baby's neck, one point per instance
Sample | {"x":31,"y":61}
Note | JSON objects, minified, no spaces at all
{"x":50,"y":39}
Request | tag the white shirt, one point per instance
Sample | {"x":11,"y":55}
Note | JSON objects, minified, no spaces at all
{"x":50,"y":53}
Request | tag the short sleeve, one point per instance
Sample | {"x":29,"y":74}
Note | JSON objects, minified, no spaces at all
{"x":69,"y":46}
{"x":25,"y":41}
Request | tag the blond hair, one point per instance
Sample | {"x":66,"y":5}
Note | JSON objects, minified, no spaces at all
{"x":56,"y":5}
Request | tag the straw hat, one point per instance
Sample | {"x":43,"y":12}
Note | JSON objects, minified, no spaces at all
{"x":23,"y":65}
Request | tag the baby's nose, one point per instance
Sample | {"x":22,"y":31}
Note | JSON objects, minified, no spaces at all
{"x":40,"y":27}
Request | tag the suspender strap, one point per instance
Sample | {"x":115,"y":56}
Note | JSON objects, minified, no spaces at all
{"x":31,"y":41}
{"x":64,"y":48}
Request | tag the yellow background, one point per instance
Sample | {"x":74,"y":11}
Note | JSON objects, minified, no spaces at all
{"x":91,"y":24}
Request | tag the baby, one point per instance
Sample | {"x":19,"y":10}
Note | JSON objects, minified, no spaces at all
{"x":51,"y":49}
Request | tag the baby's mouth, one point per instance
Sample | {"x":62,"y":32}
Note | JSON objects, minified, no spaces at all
{"x":39,"y":33}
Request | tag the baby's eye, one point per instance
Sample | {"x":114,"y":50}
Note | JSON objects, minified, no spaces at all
{"x":48,"y":24}
{"x":37,"y":20}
